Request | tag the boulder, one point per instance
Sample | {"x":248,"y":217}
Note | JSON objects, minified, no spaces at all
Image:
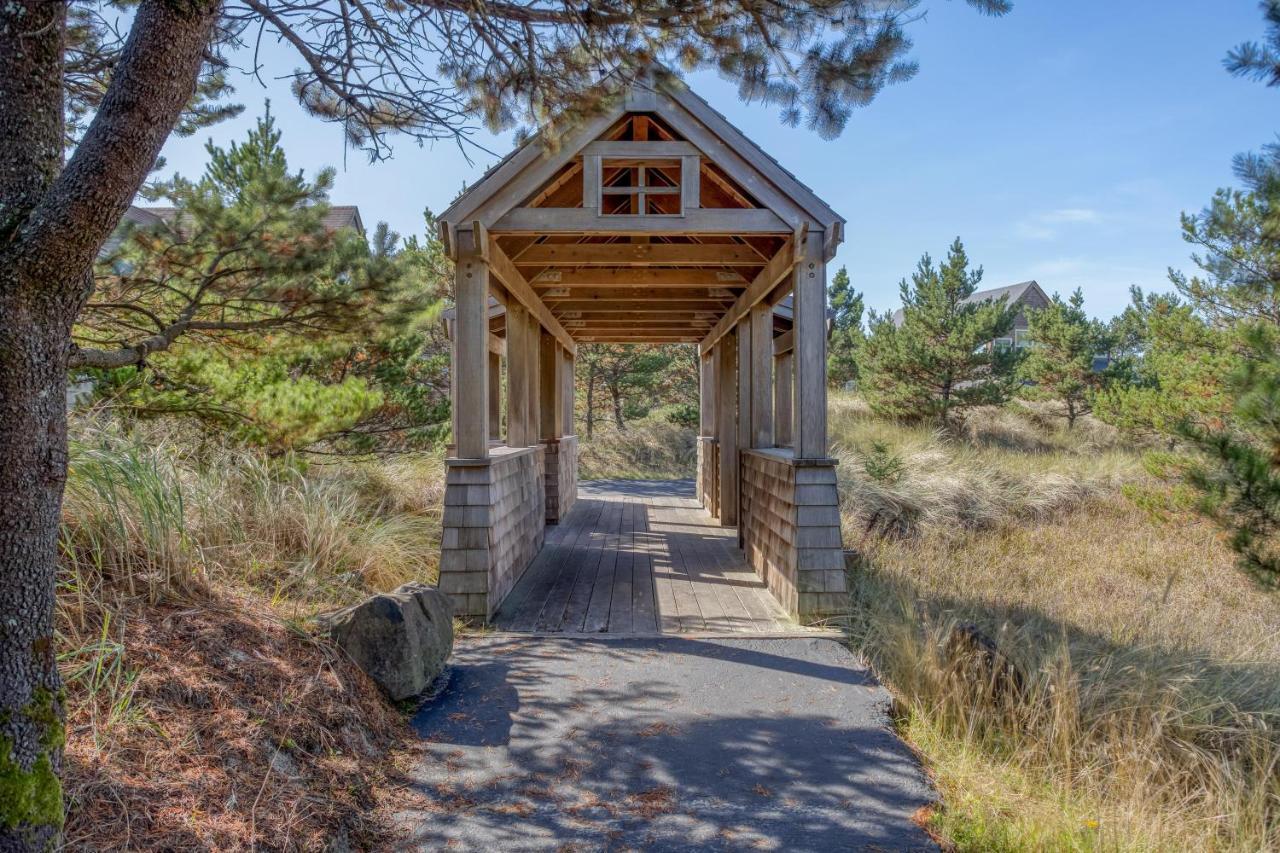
{"x":401,"y":639}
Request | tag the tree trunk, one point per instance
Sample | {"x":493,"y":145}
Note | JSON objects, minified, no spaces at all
{"x":33,"y":468}
{"x":616,"y":393}
{"x":53,"y":220}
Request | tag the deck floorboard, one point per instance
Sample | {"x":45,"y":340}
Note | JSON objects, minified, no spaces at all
{"x":641,"y":558}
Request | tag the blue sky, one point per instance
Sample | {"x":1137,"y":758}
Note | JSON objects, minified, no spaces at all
{"x":1060,"y":142}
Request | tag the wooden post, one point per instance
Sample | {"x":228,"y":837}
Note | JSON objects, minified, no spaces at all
{"x":470,"y":352}
{"x":727,"y":424}
{"x":550,"y":386}
{"x":743,"y":380}
{"x":495,"y":396}
{"x":517,"y":375}
{"x":761,"y":375}
{"x":566,"y":396}
{"x":532,"y":355}
{"x":809,"y":433}
{"x":707,"y":395}
{"x":783,"y":375}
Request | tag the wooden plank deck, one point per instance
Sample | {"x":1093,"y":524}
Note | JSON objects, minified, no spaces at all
{"x":641,"y":558}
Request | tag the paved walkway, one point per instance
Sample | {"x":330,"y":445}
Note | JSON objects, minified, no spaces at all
{"x":640,"y":557}
{"x":661,"y":744}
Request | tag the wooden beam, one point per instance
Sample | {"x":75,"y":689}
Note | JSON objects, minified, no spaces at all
{"x":495,"y":394}
{"x":690,"y":183}
{"x":566,"y":394}
{"x":517,"y":378}
{"x":809,"y":432}
{"x":706,"y":395}
{"x":642,"y":316}
{"x":726,"y":353}
{"x":577,"y":220}
{"x":763,"y":284}
{"x":549,"y":386}
{"x":783,"y":376}
{"x":470,"y":355}
{"x":638,"y":277}
{"x":652,"y":305}
{"x":520,"y":175}
{"x":639,"y":339}
{"x":639,"y":254}
{"x":533,"y":364}
{"x":552,"y":295}
{"x":641,"y":150}
{"x":519,"y":288}
{"x":497,"y":345}
{"x":761,"y":320}
{"x":784,"y":342}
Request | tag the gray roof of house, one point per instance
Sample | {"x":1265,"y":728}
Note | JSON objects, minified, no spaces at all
{"x":339,"y":216}
{"x":1012,"y":293}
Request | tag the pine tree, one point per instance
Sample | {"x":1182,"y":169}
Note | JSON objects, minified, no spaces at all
{"x":1059,"y":364}
{"x":942,"y":356}
{"x":257,"y":318}
{"x":847,"y":334}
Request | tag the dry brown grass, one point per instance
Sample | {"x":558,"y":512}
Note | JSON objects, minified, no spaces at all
{"x":1149,"y":712}
{"x":202,"y":714}
{"x":649,"y":449}
{"x":212,"y":725}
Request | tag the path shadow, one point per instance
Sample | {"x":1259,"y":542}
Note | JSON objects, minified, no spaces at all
{"x":664,"y":744}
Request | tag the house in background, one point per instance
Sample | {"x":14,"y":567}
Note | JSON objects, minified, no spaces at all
{"x":339,"y":216}
{"x":1024,"y":295}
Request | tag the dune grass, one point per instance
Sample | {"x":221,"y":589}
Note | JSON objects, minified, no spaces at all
{"x":649,"y":449}
{"x":1147,"y":716}
{"x":202,"y":714}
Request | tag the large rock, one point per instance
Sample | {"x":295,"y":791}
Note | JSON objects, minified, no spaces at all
{"x":401,"y":639}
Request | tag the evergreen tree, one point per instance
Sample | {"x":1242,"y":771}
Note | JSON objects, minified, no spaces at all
{"x":942,"y":355}
{"x":244,"y":310}
{"x":1059,"y":364}
{"x":847,"y":334}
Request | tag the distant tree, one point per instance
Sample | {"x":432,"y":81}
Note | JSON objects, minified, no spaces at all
{"x":246,"y":311}
{"x":630,"y":375}
{"x":1059,"y":364}
{"x":847,"y":334}
{"x":942,"y":356}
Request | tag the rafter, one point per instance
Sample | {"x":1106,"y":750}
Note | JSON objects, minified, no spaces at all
{"x":564,"y":294}
{"x":639,"y":254}
{"x":642,"y":277}
{"x":502,"y":267}
{"x":765,"y":281}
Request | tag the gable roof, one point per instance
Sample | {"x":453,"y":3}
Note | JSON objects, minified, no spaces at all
{"x":1012,"y":294}
{"x":665,"y":96}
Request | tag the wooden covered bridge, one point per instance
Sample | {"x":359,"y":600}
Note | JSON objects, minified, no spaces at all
{"x":655,"y":221}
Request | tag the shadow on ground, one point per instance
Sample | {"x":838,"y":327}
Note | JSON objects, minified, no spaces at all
{"x":663,"y":744}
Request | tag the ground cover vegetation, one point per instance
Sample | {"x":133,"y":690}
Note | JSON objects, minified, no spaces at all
{"x":90,"y":91}
{"x":1047,"y":550}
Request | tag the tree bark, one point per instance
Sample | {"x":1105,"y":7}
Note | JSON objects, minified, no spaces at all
{"x":591,"y":402}
{"x":53,"y":221}
{"x":616,"y":393}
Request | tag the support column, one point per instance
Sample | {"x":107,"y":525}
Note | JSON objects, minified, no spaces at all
{"x":470,"y":357}
{"x":532,"y":358}
{"x":517,"y":376}
{"x":466,"y":558}
{"x":567,"y":396}
{"x":761,"y":375}
{"x":726,"y":351}
{"x":495,"y":396}
{"x":743,"y":381}
{"x":783,"y":376}
{"x":549,"y":387}
{"x":809,"y":432}
{"x":708,"y":485}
